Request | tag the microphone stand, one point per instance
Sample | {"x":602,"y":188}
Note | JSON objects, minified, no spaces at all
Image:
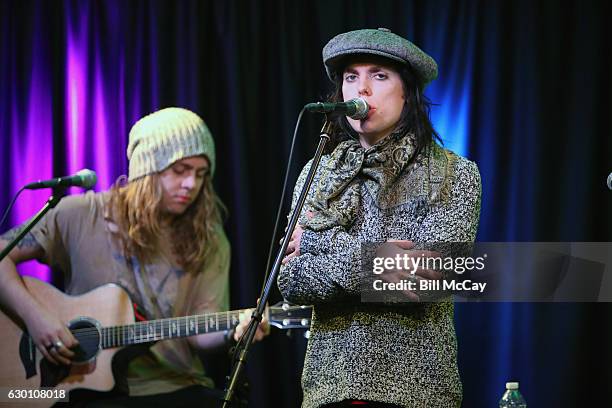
{"x":51,"y":203}
{"x":244,"y":345}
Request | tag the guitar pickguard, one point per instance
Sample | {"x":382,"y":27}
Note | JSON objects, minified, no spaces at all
{"x":27,"y":355}
{"x":52,"y":374}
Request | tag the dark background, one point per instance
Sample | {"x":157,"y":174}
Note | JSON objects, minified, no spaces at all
{"x":524,"y":90}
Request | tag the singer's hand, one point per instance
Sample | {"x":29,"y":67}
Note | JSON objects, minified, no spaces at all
{"x":406,"y":248}
{"x":293,"y":249}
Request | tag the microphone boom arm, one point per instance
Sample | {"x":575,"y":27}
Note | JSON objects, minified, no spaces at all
{"x":51,"y":203}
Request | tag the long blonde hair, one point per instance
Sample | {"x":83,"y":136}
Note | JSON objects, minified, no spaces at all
{"x":136,"y":208}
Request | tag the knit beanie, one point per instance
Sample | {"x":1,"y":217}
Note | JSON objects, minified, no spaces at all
{"x":158,"y":140}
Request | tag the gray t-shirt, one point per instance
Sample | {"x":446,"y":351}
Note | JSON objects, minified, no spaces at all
{"x":79,"y":238}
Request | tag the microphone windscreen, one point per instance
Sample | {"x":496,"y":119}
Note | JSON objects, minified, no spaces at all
{"x":88,"y":178}
{"x":361,"y":109}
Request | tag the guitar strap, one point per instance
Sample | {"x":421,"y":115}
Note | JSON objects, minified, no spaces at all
{"x":139,"y":314}
{"x":175,"y":353}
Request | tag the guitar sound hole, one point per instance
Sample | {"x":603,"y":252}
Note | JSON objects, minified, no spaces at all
{"x":88,"y":335}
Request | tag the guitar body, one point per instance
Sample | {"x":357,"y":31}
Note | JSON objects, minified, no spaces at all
{"x":23,"y":365}
{"x":102,"y":320}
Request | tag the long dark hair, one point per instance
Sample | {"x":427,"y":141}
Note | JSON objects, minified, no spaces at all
{"x":415,"y":116}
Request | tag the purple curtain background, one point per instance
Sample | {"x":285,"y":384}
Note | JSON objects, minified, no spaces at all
{"x":87,"y":56}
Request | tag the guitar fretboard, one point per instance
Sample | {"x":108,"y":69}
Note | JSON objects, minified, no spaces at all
{"x":164,"y":329}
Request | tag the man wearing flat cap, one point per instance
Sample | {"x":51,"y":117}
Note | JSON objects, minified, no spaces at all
{"x":385,"y":179}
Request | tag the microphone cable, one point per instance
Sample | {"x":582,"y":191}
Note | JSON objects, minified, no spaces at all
{"x":6,"y":213}
{"x":282,"y":199}
{"x":276,"y":223}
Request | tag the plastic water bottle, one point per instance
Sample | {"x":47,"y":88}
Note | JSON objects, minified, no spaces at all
{"x":512,"y":398}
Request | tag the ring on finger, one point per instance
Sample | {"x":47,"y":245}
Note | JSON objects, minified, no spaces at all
{"x":58,"y":344}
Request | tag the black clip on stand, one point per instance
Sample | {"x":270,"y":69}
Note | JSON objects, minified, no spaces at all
{"x":245,"y":343}
{"x":51,"y":203}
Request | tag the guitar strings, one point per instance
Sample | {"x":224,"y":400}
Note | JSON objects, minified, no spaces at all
{"x":111,"y":333}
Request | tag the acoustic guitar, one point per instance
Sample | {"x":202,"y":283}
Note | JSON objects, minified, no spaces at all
{"x":102,"y":320}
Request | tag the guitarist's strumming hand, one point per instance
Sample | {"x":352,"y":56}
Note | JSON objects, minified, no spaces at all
{"x":51,"y":336}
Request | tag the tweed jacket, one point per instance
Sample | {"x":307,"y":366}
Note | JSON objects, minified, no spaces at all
{"x":404,"y":354}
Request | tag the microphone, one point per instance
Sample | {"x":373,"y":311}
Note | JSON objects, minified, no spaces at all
{"x":610,"y":181}
{"x":355,"y":108}
{"x":83,"y":178}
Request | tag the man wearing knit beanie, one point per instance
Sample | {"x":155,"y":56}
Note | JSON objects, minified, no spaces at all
{"x":159,"y":235}
{"x":173,"y":138}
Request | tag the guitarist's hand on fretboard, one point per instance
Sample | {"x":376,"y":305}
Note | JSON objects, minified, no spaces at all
{"x":245,"y":318}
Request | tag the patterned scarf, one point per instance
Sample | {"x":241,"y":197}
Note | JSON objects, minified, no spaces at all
{"x":338,"y":195}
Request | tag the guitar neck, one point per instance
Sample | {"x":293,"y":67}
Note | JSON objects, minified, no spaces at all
{"x":171,"y":328}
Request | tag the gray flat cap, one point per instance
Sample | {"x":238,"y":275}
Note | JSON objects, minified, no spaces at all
{"x":379,"y":42}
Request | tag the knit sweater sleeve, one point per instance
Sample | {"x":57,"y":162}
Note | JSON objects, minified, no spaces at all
{"x":329,"y":267}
